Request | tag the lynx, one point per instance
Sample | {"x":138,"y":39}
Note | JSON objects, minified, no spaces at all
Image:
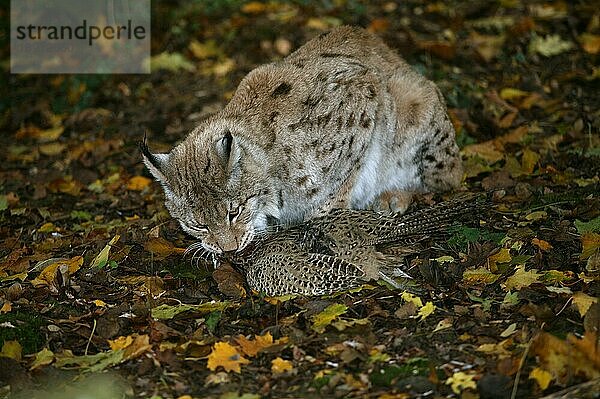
{"x":343,"y":122}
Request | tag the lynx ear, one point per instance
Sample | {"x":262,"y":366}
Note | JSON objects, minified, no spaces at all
{"x":228,"y":150}
{"x":154,"y":162}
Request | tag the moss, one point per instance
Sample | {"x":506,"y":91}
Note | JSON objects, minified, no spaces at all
{"x":26,"y":328}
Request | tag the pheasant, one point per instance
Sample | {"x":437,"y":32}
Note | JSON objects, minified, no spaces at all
{"x":343,"y":249}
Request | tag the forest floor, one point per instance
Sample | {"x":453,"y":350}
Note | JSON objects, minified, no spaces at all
{"x":96,"y":296}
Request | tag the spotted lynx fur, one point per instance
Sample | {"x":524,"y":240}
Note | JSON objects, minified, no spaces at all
{"x":343,"y":122}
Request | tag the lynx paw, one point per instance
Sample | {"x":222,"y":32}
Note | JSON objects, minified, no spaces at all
{"x":393,"y":202}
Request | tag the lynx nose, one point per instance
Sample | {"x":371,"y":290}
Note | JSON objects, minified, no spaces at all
{"x":228,"y":245}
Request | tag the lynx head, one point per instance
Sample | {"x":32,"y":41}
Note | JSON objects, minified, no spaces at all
{"x":216,"y":185}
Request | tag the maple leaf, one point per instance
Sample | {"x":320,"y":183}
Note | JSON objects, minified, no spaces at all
{"x":279,"y":365}
{"x":522,"y":278}
{"x":252,"y":347}
{"x":226,"y":356}
{"x":426,"y":310}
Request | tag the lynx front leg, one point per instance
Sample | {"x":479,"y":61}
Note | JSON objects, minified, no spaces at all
{"x":396,"y":201}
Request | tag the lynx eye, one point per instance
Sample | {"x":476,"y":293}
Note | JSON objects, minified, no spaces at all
{"x":234,"y":213}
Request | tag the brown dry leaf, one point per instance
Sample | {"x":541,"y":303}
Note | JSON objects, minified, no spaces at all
{"x":487,"y":47}
{"x":279,"y":365}
{"x":591,"y":243}
{"x":379,"y":25}
{"x":226,"y":356}
{"x":47,"y":276}
{"x":138,"y":183}
{"x":252,"y":347}
{"x":541,"y":244}
{"x":133,"y":345}
{"x":152,"y":285}
{"x":161,"y":247}
{"x":444,"y":50}
{"x":6,"y":307}
{"x":570,"y":358}
{"x":590,"y":43}
{"x":229,"y":281}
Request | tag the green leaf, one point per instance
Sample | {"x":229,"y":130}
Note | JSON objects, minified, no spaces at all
{"x":3,"y":202}
{"x":592,"y":226}
{"x":171,"y":61}
{"x":165,"y":312}
{"x":102,"y":258}
{"x":81,"y":215}
{"x":323,"y":319}
{"x":212,"y":320}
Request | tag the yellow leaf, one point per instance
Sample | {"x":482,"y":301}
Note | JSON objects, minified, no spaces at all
{"x":254,"y":7}
{"x":138,"y":183}
{"x":461,"y":381}
{"x":133,"y":345}
{"x":47,"y":276}
{"x":529,"y":160}
{"x":161,"y":247}
{"x":279,"y":365}
{"x":42,"y":358}
{"x":47,"y":228}
{"x":12,"y":349}
{"x":541,"y":244}
{"x":541,"y":376}
{"x":522,"y":278}
{"x":509,"y":93}
{"x":51,"y":149}
{"x":537,"y":215}
{"x":100,"y":303}
{"x":205,"y":50}
{"x":6,"y":307}
{"x":583,"y":302}
{"x":480,"y":275}
{"x":565,"y":359}
{"x":426,"y":310}
{"x":408,"y":297}
{"x":590,"y":242}
{"x":226,"y":356}
{"x":323,"y":319}
{"x":252,"y":347}
{"x":502,"y":256}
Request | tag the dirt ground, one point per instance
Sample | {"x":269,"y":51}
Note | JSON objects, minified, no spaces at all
{"x":97,"y":297}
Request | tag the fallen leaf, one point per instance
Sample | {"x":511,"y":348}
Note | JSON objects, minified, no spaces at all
{"x":133,"y":345}
{"x":408,"y":297}
{"x":12,"y":349}
{"x":426,"y":310}
{"x":461,"y":381}
{"x":542,"y":377}
{"x":47,"y":277}
{"x":549,"y":46}
{"x":590,"y":243}
{"x":522,"y":278}
{"x":102,"y":258}
{"x":171,"y":61}
{"x":590,"y":43}
{"x":566,"y":359}
{"x":42,"y":358}
{"x":279,"y":365}
{"x":226,"y":356}
{"x":161,"y":247}
{"x":541,"y":244}
{"x":138,"y":183}
{"x":252,"y":347}
{"x":444,"y":324}
{"x":165,"y":312}
{"x":583,"y":302}
{"x":591,"y":226}
{"x":479,"y":276}
{"x":502,"y":256}
{"x":509,"y":93}
{"x":254,"y":7}
{"x":323,"y":319}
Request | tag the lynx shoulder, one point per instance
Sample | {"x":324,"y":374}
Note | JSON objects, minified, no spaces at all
{"x":343,"y":122}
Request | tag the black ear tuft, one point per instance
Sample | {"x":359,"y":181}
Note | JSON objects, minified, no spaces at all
{"x":149,"y":157}
{"x":225,"y":145}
